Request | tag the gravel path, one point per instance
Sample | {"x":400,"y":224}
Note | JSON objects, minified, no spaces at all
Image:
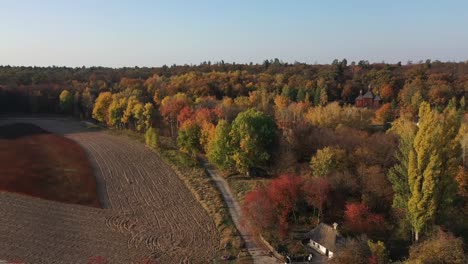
{"x":148,"y":211}
{"x":259,"y":254}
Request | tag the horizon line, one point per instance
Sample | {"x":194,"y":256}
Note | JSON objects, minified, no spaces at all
{"x":408,"y":62}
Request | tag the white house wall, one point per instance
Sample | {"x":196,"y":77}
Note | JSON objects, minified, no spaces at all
{"x":317,"y":247}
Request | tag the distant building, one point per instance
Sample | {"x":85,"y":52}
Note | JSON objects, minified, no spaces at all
{"x":324,"y":239}
{"x":369,"y":100}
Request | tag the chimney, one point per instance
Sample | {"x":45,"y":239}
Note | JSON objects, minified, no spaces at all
{"x":335,"y":226}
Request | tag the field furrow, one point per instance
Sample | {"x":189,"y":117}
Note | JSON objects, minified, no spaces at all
{"x":148,"y":210}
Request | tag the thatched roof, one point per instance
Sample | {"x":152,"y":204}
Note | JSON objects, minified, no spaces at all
{"x":325,"y":235}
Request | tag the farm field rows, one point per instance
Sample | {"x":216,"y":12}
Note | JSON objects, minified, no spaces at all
{"x":148,"y":210}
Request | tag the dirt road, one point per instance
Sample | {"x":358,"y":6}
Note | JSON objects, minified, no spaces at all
{"x":259,"y":254}
{"x":149,"y":211}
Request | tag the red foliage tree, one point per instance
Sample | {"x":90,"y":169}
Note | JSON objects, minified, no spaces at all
{"x":284,"y":193}
{"x":259,"y":210}
{"x":185,"y":114}
{"x":171,"y":106}
{"x":316,"y":193}
{"x":269,"y":209}
{"x":359,"y":219}
{"x":205,"y":115}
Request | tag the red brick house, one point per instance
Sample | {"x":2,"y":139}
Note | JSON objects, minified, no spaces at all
{"x":369,"y":100}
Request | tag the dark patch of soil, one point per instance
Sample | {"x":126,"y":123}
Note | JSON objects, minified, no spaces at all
{"x":38,"y":163}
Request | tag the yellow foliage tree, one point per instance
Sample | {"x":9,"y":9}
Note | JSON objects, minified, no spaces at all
{"x":101,"y":106}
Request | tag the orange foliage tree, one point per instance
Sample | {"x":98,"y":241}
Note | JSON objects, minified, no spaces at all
{"x":384,"y":114}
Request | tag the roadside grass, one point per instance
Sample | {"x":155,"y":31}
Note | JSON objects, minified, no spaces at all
{"x":241,"y":185}
{"x":204,"y":190}
{"x":92,"y":126}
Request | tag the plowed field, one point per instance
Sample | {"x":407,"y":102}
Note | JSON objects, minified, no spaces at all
{"x":148,"y":211}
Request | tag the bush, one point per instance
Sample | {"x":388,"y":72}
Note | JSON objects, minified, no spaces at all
{"x":152,"y":138}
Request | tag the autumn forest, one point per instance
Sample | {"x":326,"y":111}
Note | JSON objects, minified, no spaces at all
{"x":295,"y":142}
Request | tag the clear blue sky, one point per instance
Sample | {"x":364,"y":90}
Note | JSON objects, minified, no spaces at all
{"x":152,"y":33}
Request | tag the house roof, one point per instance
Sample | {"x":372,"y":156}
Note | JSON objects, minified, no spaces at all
{"x":325,"y":235}
{"x":377,"y":98}
{"x":359,"y":97}
{"x":369,"y":94}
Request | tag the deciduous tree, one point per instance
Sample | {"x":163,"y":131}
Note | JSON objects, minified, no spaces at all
{"x":116,"y":111}
{"x":360,"y":220}
{"x":220,"y":150}
{"x":188,"y":138}
{"x":66,"y":101}
{"x":384,"y":114}
{"x":316,"y":192}
{"x":152,"y":138}
{"x":87,"y":102}
{"x":441,"y":248}
{"x":259,"y":211}
{"x":432,"y":165}
{"x":100,"y":110}
{"x":171,"y":107}
{"x":354,"y":251}
{"x":252,"y":134}
{"x":328,"y":160}
{"x":285,"y":194}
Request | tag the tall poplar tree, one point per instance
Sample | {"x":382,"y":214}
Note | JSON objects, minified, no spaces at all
{"x":432,"y":165}
{"x":405,"y":129}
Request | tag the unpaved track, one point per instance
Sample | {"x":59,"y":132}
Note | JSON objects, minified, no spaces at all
{"x":259,"y":254}
{"x":149,"y":211}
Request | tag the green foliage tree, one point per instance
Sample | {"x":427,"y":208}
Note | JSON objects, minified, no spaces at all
{"x":432,"y":165}
{"x":66,"y":102}
{"x":148,"y":115}
{"x":379,"y":252}
{"x":301,"y":95}
{"x":328,"y":160}
{"x":405,"y":129}
{"x":317,"y":93}
{"x":188,"y":138}
{"x":220,"y":150}
{"x":152,"y":138}
{"x":252,"y":133}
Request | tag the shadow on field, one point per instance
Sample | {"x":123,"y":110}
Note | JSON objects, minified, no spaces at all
{"x":18,"y":130}
{"x":36,"y":162}
{"x":58,"y":124}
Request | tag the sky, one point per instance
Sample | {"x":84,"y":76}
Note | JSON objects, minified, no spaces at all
{"x":117,"y":33}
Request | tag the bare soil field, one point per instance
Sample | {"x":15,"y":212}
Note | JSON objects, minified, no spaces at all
{"x":45,"y":165}
{"x":148,"y":211}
